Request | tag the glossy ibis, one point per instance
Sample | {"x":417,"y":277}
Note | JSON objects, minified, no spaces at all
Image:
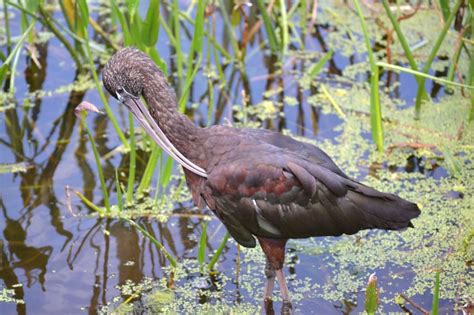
{"x":261,"y":184}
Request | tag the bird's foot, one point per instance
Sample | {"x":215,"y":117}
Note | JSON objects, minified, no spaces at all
{"x":287,"y":308}
{"x":268,"y":306}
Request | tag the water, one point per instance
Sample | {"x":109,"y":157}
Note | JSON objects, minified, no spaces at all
{"x":71,"y":261}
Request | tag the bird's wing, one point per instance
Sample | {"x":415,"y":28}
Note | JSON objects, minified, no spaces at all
{"x":305,"y":150}
{"x":279,"y":195}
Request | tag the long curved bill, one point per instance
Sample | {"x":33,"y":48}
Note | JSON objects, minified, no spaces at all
{"x":143,"y":116}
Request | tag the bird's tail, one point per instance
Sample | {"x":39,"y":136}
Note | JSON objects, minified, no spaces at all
{"x":382,"y":210}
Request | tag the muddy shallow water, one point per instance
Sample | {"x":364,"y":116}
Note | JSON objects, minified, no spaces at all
{"x":59,"y":257}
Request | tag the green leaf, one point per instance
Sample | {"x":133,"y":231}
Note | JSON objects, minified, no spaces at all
{"x":136,"y":32}
{"x":149,"y":169}
{"x":13,"y":168}
{"x":166,"y":172}
{"x":84,"y":10}
{"x":153,"y":53}
{"x":235,"y":17}
{"x":202,"y":247}
{"x":218,"y":252}
{"x":132,"y":6}
{"x":444,"y":4}
{"x":133,"y":159}
{"x":272,"y":39}
{"x":433,"y":53}
{"x":151,"y":25}
{"x":424,"y":75}
{"x":435,"y":305}
{"x":317,"y":67}
{"x":371,"y":295}
{"x":123,"y":23}
{"x":119,"y":191}
{"x":375,"y":109}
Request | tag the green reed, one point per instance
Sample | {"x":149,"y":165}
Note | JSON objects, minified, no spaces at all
{"x":372,"y":299}
{"x":118,"y":191}
{"x":423,"y":75}
{"x":272,"y":39}
{"x":201,"y":257}
{"x":403,"y":43}
{"x":432,"y":55}
{"x":85,"y":21}
{"x":316,"y":68}
{"x":81,"y":112}
{"x":218,"y":252}
{"x":195,"y":49}
{"x":174,"y":20}
{"x":133,"y":159}
{"x":10,"y":62}
{"x":435,"y":303}
{"x":375,"y":108}
{"x":470,"y":78}
{"x":157,"y":243}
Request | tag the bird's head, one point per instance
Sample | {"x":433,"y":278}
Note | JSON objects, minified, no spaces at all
{"x":131,"y":74}
{"x":124,"y":74}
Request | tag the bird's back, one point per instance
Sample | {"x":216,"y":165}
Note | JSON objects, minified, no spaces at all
{"x":266,"y":184}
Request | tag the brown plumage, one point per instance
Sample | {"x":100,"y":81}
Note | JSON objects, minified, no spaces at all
{"x":259,"y":183}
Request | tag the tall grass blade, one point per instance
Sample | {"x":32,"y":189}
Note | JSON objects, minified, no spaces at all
{"x":6,"y":20}
{"x":470,"y":79}
{"x":333,"y":102}
{"x":316,"y":68}
{"x":17,"y":47}
{"x":149,"y":170}
{"x":177,"y":36}
{"x":434,"y":51}
{"x":136,"y":30}
{"x":82,"y":116}
{"x":119,"y":191}
{"x":13,"y":60}
{"x":196,"y":48}
{"x":375,"y":109}
{"x":133,"y":159}
{"x":160,"y":246}
{"x":371,"y":295}
{"x":123,"y":23}
{"x":272,"y":39}
{"x":453,"y":65}
{"x":230,"y":31}
{"x":151,"y":24}
{"x":84,"y":16}
{"x":189,"y":82}
{"x":444,"y":4}
{"x":424,"y":75}
{"x":403,"y":41}
{"x":285,"y":37}
{"x":89,"y":203}
{"x":202,"y":247}
{"x":218,"y":252}
{"x":165,"y":174}
{"x":132,"y":6}
{"x":84,"y":11}
{"x":435,"y":304}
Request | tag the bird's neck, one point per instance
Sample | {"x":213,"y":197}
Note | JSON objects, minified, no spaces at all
{"x":178,"y":128}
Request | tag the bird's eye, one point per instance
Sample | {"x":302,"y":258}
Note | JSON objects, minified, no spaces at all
{"x":119,"y":93}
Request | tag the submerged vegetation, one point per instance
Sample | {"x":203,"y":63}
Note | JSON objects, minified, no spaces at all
{"x":385,"y":89}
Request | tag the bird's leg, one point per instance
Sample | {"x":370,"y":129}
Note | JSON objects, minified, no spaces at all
{"x":269,"y":284}
{"x":274,"y":249}
{"x":287,"y":307}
